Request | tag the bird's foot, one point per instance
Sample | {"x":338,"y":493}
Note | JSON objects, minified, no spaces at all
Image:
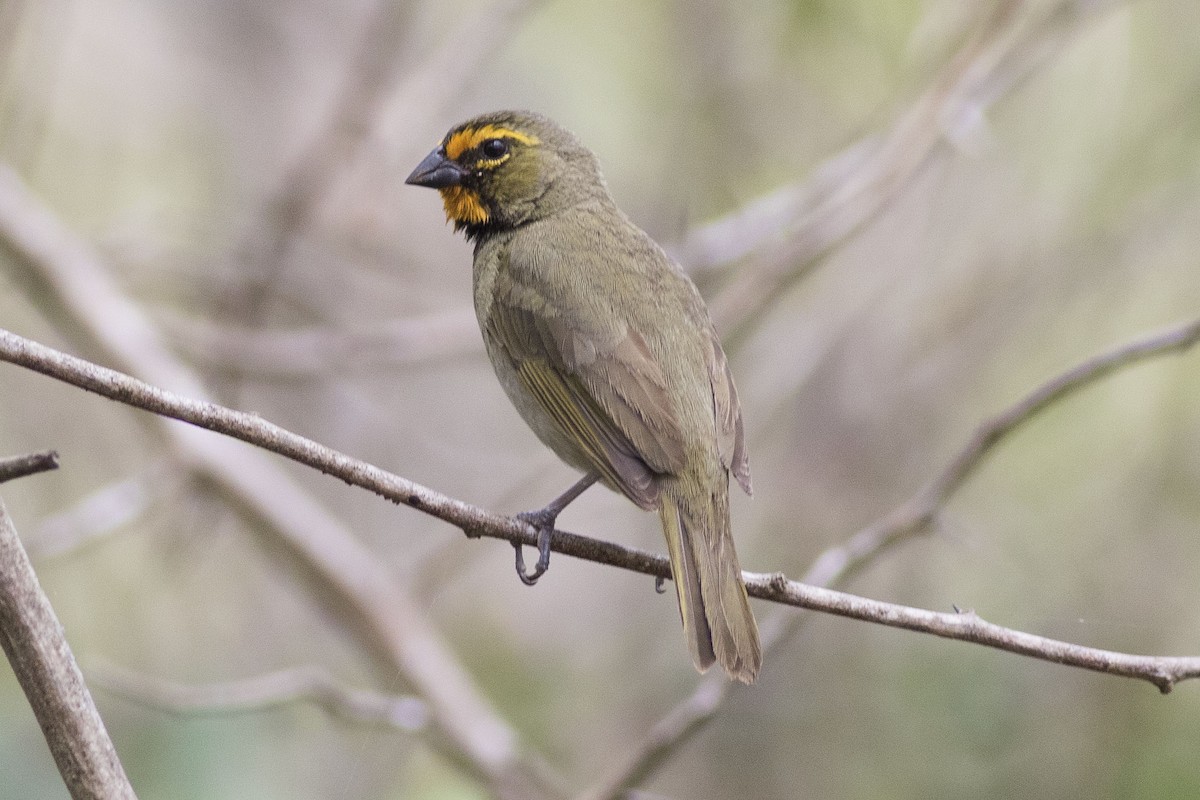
{"x":543,"y":520}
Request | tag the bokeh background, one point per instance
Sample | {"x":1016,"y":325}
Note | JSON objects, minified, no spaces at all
{"x":905,"y":214}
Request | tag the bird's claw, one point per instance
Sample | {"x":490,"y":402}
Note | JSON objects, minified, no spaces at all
{"x":544,"y":523}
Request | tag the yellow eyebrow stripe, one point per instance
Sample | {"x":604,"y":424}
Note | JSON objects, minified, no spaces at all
{"x":462,"y":141}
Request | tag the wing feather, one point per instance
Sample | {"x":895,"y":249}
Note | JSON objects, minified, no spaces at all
{"x":608,"y":396}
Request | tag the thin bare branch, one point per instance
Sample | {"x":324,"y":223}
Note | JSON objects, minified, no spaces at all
{"x":688,"y":717}
{"x":1163,"y":672}
{"x":262,"y":692}
{"x":788,"y":230}
{"x":477,"y":522}
{"x":966,"y":626}
{"x":20,"y":466}
{"x":37,"y":649}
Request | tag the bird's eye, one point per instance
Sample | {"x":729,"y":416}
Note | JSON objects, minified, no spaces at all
{"x":494,"y":148}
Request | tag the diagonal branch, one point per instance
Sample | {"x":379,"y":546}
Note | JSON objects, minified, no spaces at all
{"x":785,"y":232}
{"x":33,"y":640}
{"x":1163,"y":672}
{"x":966,"y":626}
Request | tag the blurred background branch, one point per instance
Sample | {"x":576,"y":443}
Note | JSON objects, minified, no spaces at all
{"x":101,"y":513}
{"x":314,"y":352}
{"x":262,"y":692}
{"x":785,"y":233}
{"x":374,"y":83}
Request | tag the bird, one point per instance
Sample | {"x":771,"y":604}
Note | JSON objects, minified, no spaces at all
{"x":608,"y":352}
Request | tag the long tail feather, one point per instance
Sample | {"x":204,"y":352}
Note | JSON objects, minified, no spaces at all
{"x":713,"y":604}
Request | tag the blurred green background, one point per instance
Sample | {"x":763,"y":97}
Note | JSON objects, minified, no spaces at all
{"x":1054,"y":213}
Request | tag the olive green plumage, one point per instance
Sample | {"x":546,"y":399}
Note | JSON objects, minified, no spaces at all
{"x":607,"y":351}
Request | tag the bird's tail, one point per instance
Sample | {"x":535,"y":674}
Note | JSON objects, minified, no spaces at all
{"x":716,"y":612}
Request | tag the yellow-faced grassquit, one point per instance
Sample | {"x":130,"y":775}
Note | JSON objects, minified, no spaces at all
{"x":608,"y":352}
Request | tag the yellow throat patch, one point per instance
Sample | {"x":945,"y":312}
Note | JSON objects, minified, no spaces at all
{"x":463,"y":206}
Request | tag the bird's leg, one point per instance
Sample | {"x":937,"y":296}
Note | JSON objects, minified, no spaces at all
{"x":543,"y":520}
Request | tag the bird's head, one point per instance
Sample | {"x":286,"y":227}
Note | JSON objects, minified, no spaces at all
{"x":501,"y":170}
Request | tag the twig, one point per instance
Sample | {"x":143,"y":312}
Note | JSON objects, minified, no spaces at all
{"x":837,"y":564}
{"x":20,"y":466}
{"x":271,"y":690}
{"x":966,"y":626}
{"x":33,"y":640}
{"x":477,"y":522}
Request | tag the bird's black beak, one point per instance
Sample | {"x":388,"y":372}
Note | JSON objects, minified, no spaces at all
{"x":437,"y":172}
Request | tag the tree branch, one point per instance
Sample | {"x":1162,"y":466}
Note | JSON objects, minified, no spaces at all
{"x":20,"y":466}
{"x":34,"y":642}
{"x":1161,"y":671}
{"x":966,"y":626}
{"x":268,"y":436}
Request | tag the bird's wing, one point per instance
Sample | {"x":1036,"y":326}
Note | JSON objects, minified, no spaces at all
{"x":604,"y":390}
